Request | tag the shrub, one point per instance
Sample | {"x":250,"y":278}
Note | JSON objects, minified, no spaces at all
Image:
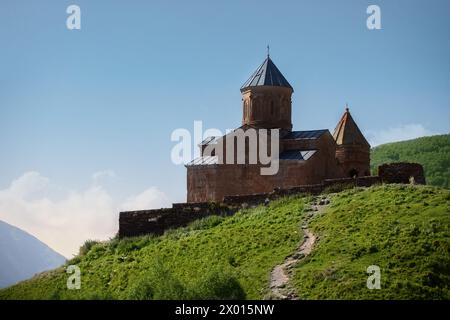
{"x":126,"y":245}
{"x":86,"y":247}
{"x":218,"y":285}
{"x":158,"y":283}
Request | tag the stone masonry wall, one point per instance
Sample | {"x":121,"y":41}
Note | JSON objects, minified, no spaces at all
{"x":401,"y":172}
{"x":157,"y":221}
{"x":334,"y":185}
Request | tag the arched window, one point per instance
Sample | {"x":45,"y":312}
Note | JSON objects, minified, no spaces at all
{"x":283,"y":107}
{"x":254,"y":108}
{"x":245,"y":109}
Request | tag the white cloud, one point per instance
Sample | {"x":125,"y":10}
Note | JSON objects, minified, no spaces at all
{"x":149,"y":199}
{"x":66,"y":223}
{"x":28,"y":184}
{"x":400,"y":133}
{"x":100,"y":176}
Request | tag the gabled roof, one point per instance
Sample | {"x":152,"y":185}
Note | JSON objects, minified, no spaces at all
{"x":209,"y":140}
{"x":267,"y":74}
{"x":348,"y":133}
{"x":215,"y":139}
{"x":297,"y":154}
{"x":292,"y":135}
{"x":308,"y":134}
{"x":203,"y":160}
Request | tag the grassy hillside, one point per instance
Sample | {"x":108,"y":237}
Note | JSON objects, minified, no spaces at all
{"x":213,"y":258}
{"x":402,"y":229}
{"x":432,"y":152}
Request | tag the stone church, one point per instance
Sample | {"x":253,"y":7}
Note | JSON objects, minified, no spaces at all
{"x":305,"y":157}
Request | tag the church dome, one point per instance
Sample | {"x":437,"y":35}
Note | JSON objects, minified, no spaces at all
{"x":267,"y":74}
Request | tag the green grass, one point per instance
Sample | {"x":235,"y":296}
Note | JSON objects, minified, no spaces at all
{"x":432,"y":152}
{"x":402,"y":229}
{"x":213,"y":258}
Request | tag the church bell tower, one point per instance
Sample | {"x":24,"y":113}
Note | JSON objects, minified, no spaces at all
{"x":266,"y":97}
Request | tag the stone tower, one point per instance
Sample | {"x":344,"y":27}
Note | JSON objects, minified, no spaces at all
{"x":353,"y":150}
{"x":266,"y":97}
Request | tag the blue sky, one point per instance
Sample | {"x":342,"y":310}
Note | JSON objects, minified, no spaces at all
{"x":107,"y":97}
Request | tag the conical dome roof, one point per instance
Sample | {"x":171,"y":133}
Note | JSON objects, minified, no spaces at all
{"x":267,"y":74}
{"x":348,"y":133}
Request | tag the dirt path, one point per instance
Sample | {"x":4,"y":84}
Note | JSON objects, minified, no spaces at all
{"x":280,"y":276}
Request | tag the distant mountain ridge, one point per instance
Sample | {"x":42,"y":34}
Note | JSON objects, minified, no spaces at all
{"x":23,"y":255}
{"x":432,"y":152}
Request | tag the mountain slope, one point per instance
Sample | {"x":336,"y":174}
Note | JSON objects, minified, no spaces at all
{"x":432,"y":152}
{"x":22,"y":255}
{"x":402,"y":229}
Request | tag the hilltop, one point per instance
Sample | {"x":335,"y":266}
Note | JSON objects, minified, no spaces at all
{"x":402,"y":229}
{"x":431,"y":152}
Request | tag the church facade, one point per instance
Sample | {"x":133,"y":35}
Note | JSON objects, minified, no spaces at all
{"x":304,"y":157}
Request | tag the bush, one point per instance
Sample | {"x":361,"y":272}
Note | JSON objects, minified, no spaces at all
{"x":86,"y":247}
{"x":142,"y":290}
{"x":127,"y":245}
{"x":160,"y":283}
{"x":219,"y":285}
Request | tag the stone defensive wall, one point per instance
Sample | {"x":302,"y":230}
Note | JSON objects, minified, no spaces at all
{"x":157,"y":221}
